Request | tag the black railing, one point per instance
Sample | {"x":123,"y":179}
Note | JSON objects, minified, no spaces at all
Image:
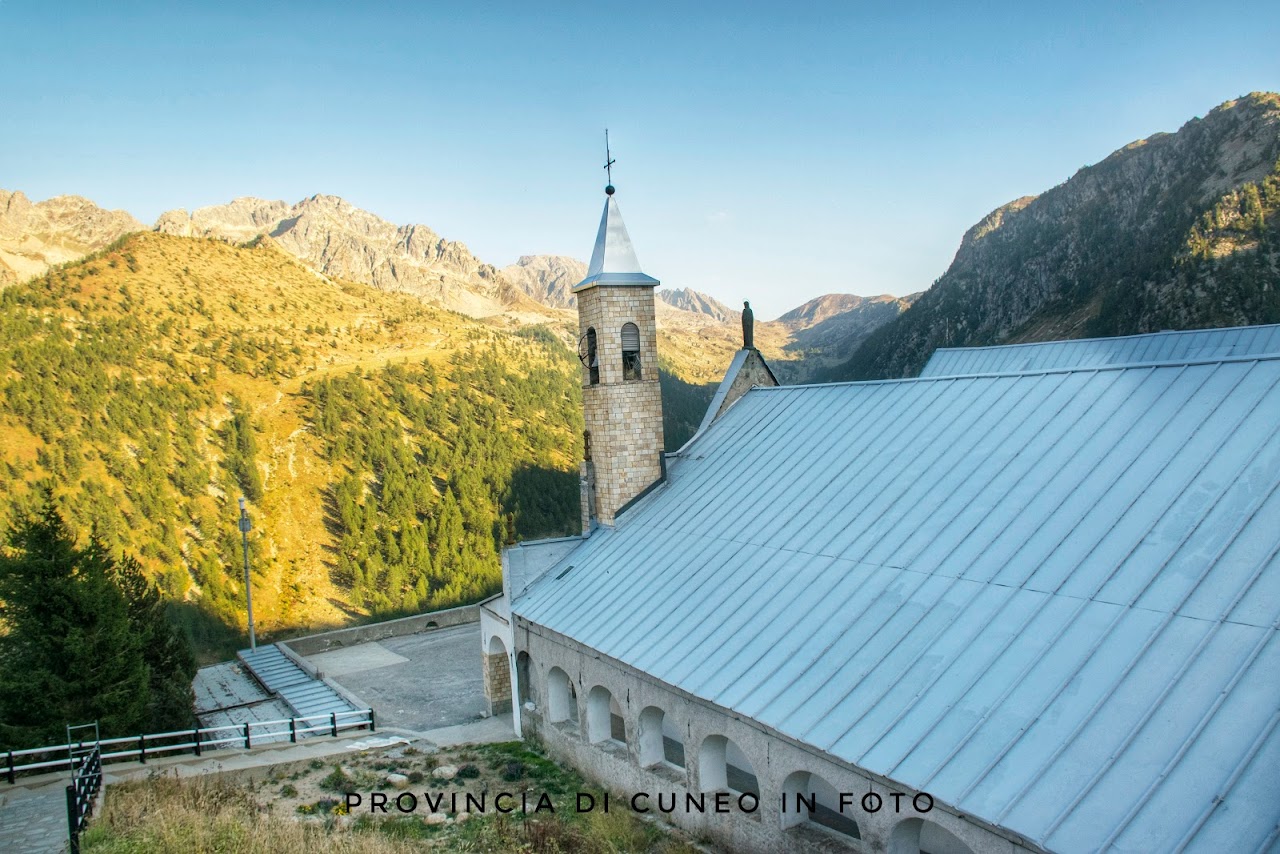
{"x":86,"y":780}
{"x":140,"y":748}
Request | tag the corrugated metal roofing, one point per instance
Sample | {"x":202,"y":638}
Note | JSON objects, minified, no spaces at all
{"x":1190,"y":345}
{"x":1049,"y":600}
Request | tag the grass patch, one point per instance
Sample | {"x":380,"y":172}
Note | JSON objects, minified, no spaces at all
{"x":211,"y":814}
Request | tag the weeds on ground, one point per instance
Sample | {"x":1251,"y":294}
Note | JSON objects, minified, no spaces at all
{"x":217,"y":813}
{"x":167,"y":814}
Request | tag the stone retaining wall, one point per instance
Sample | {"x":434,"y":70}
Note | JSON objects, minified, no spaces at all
{"x":418,"y":623}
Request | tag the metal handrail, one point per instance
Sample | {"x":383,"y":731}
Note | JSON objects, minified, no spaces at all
{"x":86,"y":781}
{"x":194,"y":740}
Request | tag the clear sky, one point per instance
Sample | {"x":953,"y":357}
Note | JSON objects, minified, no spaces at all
{"x":769,"y":151}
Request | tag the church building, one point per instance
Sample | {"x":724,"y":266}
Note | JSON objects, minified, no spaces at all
{"x":1028,"y":601}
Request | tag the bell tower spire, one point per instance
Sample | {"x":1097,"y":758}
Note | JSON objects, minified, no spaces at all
{"x":618,"y":347}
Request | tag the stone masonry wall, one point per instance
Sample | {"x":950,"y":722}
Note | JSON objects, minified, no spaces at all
{"x":624,"y":417}
{"x":754,"y":372}
{"x":496,"y":672}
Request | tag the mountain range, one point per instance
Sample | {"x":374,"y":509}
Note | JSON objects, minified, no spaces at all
{"x":1175,"y":231}
{"x":339,"y":240}
{"x":392,"y":405}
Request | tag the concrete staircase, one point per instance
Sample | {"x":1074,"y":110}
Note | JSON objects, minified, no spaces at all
{"x":281,"y":675}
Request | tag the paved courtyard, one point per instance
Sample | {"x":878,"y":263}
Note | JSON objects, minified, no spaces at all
{"x":415,"y":682}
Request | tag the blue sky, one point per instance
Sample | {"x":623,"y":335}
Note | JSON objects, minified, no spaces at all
{"x":768,"y":151}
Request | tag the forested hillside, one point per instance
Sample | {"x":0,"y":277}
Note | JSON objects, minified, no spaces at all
{"x":432,"y":471}
{"x":1176,"y":231}
{"x":387,"y":448}
{"x":152,"y":384}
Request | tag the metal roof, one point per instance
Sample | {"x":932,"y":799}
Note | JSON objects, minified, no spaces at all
{"x":1050,"y":600}
{"x":722,"y":391}
{"x":613,"y":260}
{"x":1094,"y":352}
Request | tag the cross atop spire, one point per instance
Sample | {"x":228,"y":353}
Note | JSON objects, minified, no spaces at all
{"x":608,"y":164}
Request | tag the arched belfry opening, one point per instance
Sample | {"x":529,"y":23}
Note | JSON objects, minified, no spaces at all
{"x":621,"y":399}
{"x":591,"y":357}
{"x":631,"y":352}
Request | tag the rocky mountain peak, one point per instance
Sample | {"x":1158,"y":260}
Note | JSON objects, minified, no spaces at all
{"x":820,"y":308}
{"x":37,"y":235}
{"x":687,"y":299}
{"x":547,"y":279}
{"x":336,"y":238}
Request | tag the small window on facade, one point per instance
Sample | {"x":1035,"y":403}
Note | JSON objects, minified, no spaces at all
{"x":630,"y":352}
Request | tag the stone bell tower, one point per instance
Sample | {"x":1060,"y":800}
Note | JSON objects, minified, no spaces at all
{"x":618,"y":347}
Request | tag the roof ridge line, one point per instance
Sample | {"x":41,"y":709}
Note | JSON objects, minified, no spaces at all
{"x":1106,"y":338}
{"x":1175,"y":363}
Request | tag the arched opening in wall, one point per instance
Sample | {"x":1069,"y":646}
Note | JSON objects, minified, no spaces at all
{"x":808,"y":799}
{"x":524,"y":677}
{"x":723,"y":765}
{"x":497,"y":677}
{"x":630,"y":351}
{"x":604,"y":717}
{"x":617,"y":724}
{"x":921,"y":836}
{"x":590,"y":356}
{"x":562,"y":699}
{"x":660,"y":740}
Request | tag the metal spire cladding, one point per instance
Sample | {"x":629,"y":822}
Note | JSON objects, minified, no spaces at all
{"x":613,"y":260}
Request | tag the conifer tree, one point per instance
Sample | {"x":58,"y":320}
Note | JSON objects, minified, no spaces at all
{"x":85,"y":640}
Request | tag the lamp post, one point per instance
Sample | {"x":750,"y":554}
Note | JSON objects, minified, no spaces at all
{"x":245,"y":527}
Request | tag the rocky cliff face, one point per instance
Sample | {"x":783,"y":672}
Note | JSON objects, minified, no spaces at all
{"x":1149,"y":238}
{"x":687,"y":299}
{"x":830,"y":327}
{"x":36,"y":235}
{"x":342,"y":241}
{"x":547,"y":279}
